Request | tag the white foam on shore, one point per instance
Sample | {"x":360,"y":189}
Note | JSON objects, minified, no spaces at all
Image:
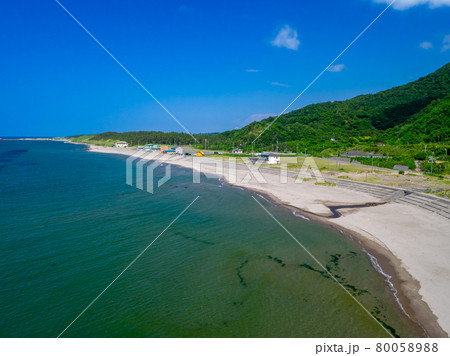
{"x":300,"y":215}
{"x":388,"y":278}
{"x":222,"y":182}
{"x":261,"y":196}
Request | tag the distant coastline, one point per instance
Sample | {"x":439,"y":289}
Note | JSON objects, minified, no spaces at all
{"x":381,"y":231}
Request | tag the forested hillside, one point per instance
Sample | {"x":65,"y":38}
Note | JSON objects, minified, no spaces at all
{"x":388,"y":115}
{"x":409,"y":114}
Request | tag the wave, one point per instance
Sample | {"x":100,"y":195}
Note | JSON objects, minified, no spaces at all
{"x":388,"y":278}
{"x":300,"y":215}
{"x":261,"y":196}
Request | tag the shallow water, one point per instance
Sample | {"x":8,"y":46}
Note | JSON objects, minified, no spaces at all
{"x":69,"y":225}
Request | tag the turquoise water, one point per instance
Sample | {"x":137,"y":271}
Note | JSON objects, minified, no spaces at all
{"x":69,"y":225}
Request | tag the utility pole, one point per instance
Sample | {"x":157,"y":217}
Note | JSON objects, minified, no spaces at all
{"x":339,"y":153}
{"x":372,"y":163}
{"x":277,"y":145}
{"x":432,"y":153}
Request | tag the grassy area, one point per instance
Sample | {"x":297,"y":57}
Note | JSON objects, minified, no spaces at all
{"x":441,"y":193}
{"x":239,"y":159}
{"x":426,"y":183}
{"x":328,"y":184}
{"x":366,"y":179}
{"x":294,"y":163}
{"x":89,"y":140}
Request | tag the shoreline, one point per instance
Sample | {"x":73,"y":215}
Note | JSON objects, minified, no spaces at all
{"x":387,"y":266}
{"x":404,"y":288}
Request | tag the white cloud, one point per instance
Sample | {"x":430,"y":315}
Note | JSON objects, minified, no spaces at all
{"x":336,"y":68}
{"x":446,"y":43}
{"x":280,"y":84}
{"x":426,"y":45}
{"x":406,"y":4}
{"x":252,"y":70}
{"x":287,"y":37}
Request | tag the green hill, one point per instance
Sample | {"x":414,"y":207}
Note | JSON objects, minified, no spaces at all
{"x":363,"y":118}
{"x":409,"y":114}
{"x":431,"y":124}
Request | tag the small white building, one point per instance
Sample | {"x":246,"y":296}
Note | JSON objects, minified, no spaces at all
{"x":237,"y":151}
{"x":178,"y":150}
{"x":271,"y":158}
{"x":121,"y":144}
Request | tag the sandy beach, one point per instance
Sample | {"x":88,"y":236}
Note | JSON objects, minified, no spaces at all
{"x":407,"y":242}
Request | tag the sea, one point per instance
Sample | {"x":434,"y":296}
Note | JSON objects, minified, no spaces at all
{"x":70,"y":226}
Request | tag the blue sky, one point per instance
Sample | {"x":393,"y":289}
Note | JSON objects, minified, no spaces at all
{"x":215,"y":65}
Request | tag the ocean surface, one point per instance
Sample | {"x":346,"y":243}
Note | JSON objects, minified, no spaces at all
{"x":69,"y":225}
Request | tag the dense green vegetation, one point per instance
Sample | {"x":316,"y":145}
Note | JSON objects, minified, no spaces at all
{"x":136,"y":138}
{"x":412,"y":113}
{"x":432,"y":124}
{"x":387,"y":162}
{"x":398,"y":122}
